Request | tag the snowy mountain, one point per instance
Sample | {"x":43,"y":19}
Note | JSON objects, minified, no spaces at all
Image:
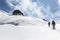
{"x":28,"y":28}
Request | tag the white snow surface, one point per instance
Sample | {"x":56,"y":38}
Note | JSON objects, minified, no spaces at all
{"x":29,"y":28}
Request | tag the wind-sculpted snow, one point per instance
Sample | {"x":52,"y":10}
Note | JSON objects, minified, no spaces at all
{"x":21,"y":20}
{"x":26,"y":28}
{"x":18,"y":20}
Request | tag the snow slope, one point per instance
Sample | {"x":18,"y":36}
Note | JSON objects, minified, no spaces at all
{"x":28,"y":28}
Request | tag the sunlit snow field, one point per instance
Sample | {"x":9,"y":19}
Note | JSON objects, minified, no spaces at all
{"x":28,"y":28}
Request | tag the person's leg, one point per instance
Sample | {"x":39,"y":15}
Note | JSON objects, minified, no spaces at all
{"x":49,"y":25}
{"x":53,"y":26}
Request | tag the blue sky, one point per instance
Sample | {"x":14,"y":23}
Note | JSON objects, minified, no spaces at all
{"x":4,"y":6}
{"x":52,"y":3}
